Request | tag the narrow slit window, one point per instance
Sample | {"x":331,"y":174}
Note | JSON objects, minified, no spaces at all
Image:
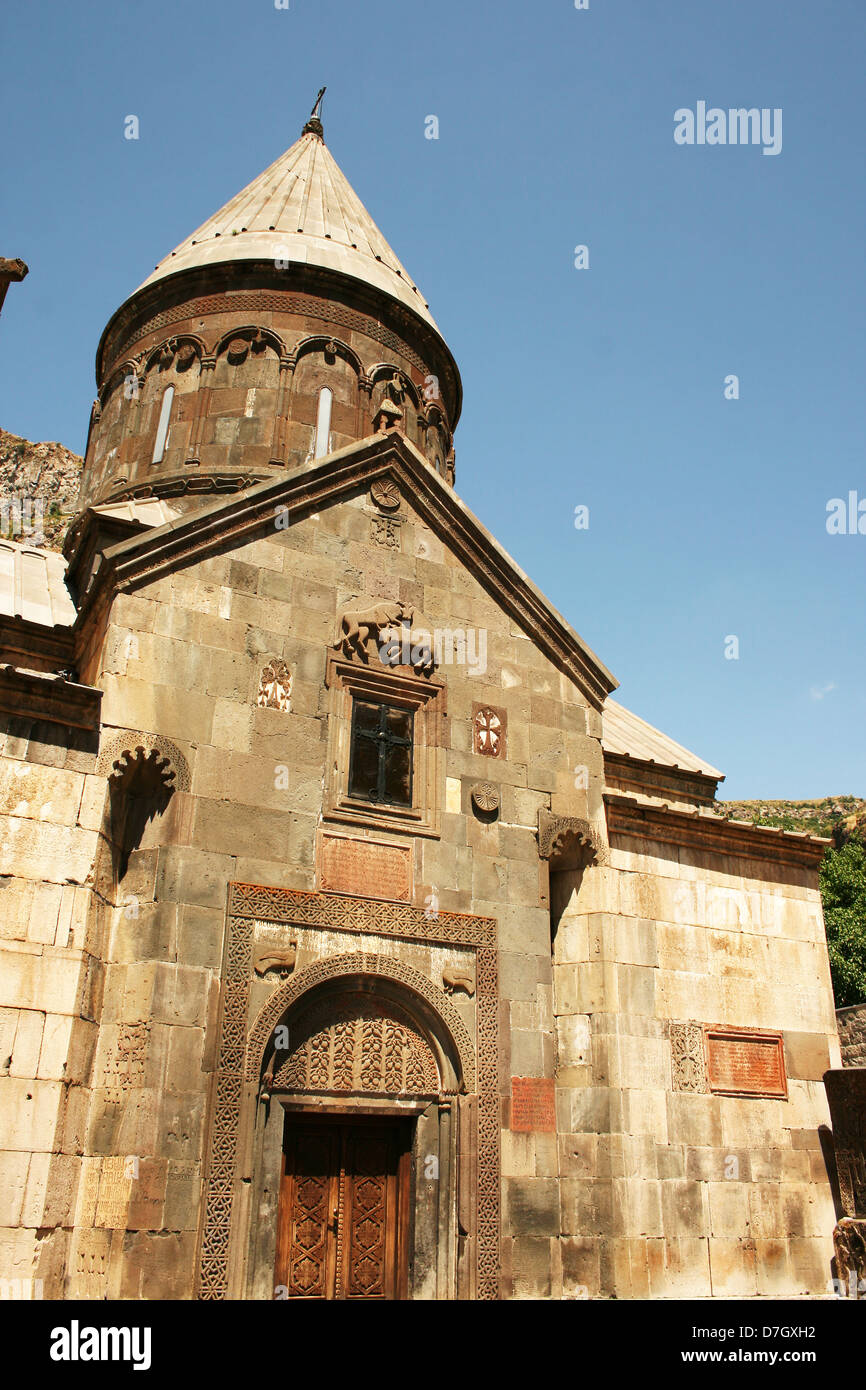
{"x":162,"y":427}
{"x":323,"y":423}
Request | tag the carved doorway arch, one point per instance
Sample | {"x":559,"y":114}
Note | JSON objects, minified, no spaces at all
{"x":463,"y":1120}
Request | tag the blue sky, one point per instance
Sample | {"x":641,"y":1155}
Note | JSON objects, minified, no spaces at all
{"x":601,"y":387}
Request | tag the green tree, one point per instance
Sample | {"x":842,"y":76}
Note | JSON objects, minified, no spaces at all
{"x":843,"y":890}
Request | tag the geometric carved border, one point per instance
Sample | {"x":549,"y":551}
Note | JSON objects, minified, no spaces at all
{"x":238,"y":1040}
{"x":131,"y":742}
{"x":359,"y":915}
{"x":331,"y":968}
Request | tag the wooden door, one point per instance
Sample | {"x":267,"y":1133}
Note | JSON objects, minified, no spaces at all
{"x":342,"y":1223}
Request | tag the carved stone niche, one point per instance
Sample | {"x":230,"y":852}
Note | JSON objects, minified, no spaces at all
{"x":567,"y":842}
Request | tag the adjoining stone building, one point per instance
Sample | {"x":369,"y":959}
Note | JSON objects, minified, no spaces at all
{"x":355,"y":943}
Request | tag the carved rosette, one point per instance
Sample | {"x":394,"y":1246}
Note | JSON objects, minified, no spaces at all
{"x":386,"y":494}
{"x":485,"y":797}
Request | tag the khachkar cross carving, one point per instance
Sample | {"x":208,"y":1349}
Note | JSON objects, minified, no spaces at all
{"x":488,"y":732}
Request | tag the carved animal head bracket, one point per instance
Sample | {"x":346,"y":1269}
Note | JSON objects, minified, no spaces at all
{"x":567,"y":842}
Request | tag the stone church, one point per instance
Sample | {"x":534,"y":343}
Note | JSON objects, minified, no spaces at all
{"x":355,"y":943}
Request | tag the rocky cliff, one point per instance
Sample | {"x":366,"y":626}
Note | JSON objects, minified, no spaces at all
{"x":39,"y":486}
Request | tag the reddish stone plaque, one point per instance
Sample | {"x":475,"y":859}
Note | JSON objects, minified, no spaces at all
{"x":746,"y":1063}
{"x":532,"y":1105}
{"x":365,"y":868}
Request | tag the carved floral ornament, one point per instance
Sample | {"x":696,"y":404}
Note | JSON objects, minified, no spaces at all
{"x":275,"y":686}
{"x":485,"y":797}
{"x":386,"y":494}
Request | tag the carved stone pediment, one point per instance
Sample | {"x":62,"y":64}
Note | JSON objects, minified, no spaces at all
{"x":567,"y":842}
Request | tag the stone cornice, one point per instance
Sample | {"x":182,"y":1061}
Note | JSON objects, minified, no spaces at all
{"x":241,"y":515}
{"x":701,"y":831}
{"x":656,"y":779}
{"x":35,"y":695}
{"x":34,"y":643}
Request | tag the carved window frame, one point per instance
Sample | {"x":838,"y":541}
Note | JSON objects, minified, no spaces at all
{"x":348,"y":680}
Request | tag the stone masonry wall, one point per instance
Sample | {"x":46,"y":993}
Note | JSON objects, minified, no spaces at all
{"x":678,"y":1193}
{"x":183,"y":657}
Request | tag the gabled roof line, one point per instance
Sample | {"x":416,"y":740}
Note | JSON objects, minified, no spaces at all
{"x":144,"y":557}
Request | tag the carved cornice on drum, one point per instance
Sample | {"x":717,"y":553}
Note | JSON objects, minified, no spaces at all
{"x":309,"y":489}
{"x":260,"y":289}
{"x":346,"y":967}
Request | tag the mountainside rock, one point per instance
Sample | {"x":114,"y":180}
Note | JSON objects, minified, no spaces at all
{"x":39,"y":486}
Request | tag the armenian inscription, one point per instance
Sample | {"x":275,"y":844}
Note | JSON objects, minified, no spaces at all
{"x":532,"y":1105}
{"x":365,"y":868}
{"x":746,"y":1064}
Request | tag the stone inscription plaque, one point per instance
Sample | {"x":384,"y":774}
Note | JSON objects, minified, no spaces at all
{"x":532,"y":1105}
{"x":365,"y":868}
{"x":746,"y":1064}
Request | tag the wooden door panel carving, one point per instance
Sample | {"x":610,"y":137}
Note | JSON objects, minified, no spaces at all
{"x":343,"y":1213}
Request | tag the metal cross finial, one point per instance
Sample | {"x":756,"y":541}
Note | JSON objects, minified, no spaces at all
{"x":314,"y":124}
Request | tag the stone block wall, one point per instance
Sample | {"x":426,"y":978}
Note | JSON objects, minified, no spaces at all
{"x":51,"y":805}
{"x":669,"y":1189}
{"x":183,"y":657}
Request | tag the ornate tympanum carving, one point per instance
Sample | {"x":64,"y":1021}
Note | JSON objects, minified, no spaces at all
{"x":357,"y":1043}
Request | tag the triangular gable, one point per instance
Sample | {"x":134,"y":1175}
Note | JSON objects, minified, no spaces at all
{"x":325,"y":481}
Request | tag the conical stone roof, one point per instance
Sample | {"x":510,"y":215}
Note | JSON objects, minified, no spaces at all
{"x":302,"y":209}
